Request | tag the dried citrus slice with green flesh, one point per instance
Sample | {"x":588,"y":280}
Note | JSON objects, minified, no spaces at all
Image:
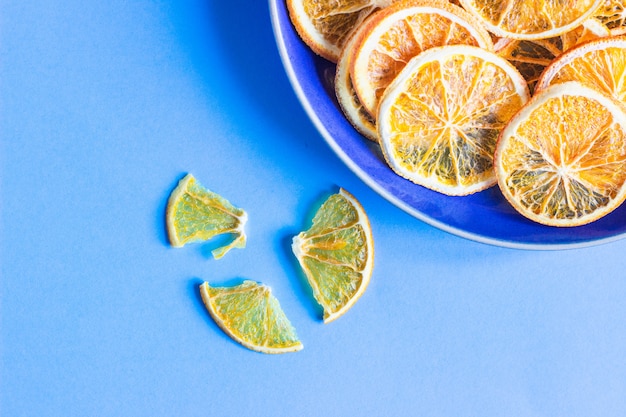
{"x":195,"y":213}
{"x":324,"y":25}
{"x":252,"y":316}
{"x":337,"y":254}
{"x":561,"y":161}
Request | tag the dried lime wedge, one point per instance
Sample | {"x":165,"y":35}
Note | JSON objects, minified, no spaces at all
{"x":337,"y":254}
{"x":195,"y":214}
{"x":252,"y":316}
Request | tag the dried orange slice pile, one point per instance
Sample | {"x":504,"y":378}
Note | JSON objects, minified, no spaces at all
{"x":400,"y":32}
{"x":463,"y":95}
{"x":528,"y":20}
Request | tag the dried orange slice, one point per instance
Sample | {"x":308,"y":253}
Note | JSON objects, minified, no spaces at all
{"x":337,"y":254}
{"x":619,"y":31}
{"x":561,"y":161}
{"x":439,"y":120}
{"x":252,"y":316}
{"x":324,"y":25}
{"x":600,"y":64}
{"x":528,"y":19}
{"x":347,"y":97}
{"x":195,"y":214}
{"x":401,"y":31}
{"x":532,"y":56}
{"x":590,"y":30}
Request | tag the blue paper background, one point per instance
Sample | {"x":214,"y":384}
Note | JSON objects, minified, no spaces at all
{"x":104,"y":106}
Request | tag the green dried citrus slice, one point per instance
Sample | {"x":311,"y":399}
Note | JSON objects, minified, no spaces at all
{"x":195,"y":213}
{"x":337,"y":254}
{"x":252,"y":316}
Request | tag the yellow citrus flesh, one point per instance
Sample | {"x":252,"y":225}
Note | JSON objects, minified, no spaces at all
{"x":528,"y":19}
{"x":401,"y":31}
{"x":612,"y":13}
{"x":561,"y":161}
{"x":439,"y":120}
{"x":195,"y":214}
{"x":347,"y":96}
{"x":532,"y":56}
{"x":337,"y":254}
{"x":252,"y":316}
{"x":599,"y":64}
{"x":590,"y":30}
{"x":619,"y":31}
{"x":324,"y":25}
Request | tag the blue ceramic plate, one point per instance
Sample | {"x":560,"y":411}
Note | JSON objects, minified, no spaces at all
{"x":485,"y":216}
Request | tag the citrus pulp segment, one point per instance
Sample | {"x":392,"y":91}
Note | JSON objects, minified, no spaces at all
{"x":337,"y":254}
{"x":561,"y":161}
{"x":439,"y":120}
{"x":401,"y":31}
{"x":528,"y":19}
{"x":324,"y":25}
{"x":195,"y":213}
{"x":600,"y":64}
{"x":252,"y":316}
